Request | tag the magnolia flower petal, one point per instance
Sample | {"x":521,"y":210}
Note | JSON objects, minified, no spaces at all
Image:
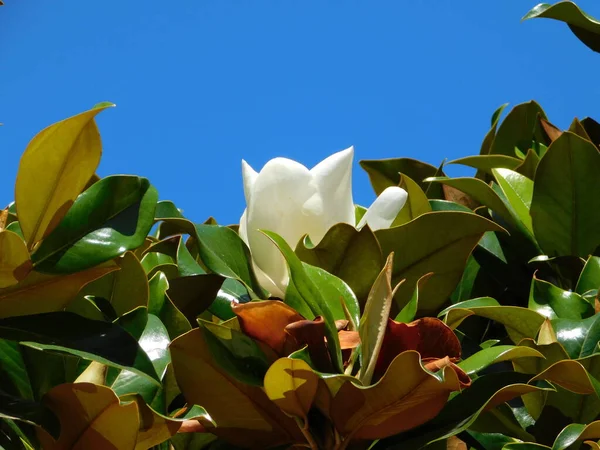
{"x":283,"y":200}
{"x":384,"y":209}
{"x":249,"y":176}
{"x":333,"y":178}
{"x":263,"y":279}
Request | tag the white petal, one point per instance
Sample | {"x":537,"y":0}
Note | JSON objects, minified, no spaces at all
{"x":249,"y":176}
{"x":284,"y":200}
{"x":384,"y":209}
{"x":333,"y":178}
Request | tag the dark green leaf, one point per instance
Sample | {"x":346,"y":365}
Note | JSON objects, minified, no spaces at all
{"x":111,"y":217}
{"x":67,"y":332}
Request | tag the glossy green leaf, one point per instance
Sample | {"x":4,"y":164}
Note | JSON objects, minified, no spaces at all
{"x":310,"y":294}
{"x":565,"y":199}
{"x":384,"y":173}
{"x":518,"y":190}
{"x":155,"y":342}
{"x":553,"y":302}
{"x":576,"y":432}
{"x":161,"y":306}
{"x":54,"y":169}
{"x":585,"y":27}
{"x":354,"y":256}
{"x":222,"y":250}
{"x":111,"y":217}
{"x":589,"y":279}
{"x":67,"y":332}
{"x":409,"y":312}
{"x":334,"y":292}
{"x":493,"y":355}
{"x":578,"y":337}
{"x":438,"y":242}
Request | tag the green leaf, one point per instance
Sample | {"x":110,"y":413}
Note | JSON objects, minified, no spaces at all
{"x":519,"y":193}
{"x":480,"y":192}
{"x":223,"y":252}
{"x":589,"y":279}
{"x":13,"y":371}
{"x":384,"y":173}
{"x":335,"y":291}
{"x":28,"y":411}
{"x":192,"y":295}
{"x":354,"y":256}
{"x":486,"y":163}
{"x":578,"y":337}
{"x":409,"y":312}
{"x":416,"y":204}
{"x":125,"y":289}
{"x":585,"y":27}
{"x":161,"y":306}
{"x":520,"y":323}
{"x":488,"y":140}
{"x":373,"y":322}
{"x":553,"y":302}
{"x":518,"y":129}
{"x":529,"y":165}
{"x":565,"y":199}
{"x":54,"y":169}
{"x":438,"y":242}
{"x":111,"y":217}
{"x":310,"y":294}
{"x":155,"y":342}
{"x":67,"y":332}
{"x":492,"y":355}
{"x":576,"y":432}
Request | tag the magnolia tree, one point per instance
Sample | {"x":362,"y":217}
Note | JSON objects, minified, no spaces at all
{"x":454,"y":312}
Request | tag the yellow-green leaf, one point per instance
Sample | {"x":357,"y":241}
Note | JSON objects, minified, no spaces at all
{"x":14,"y":259}
{"x":40,"y":293}
{"x":292,"y":385}
{"x":55,"y":168}
{"x":91,"y":418}
{"x":374,"y":321}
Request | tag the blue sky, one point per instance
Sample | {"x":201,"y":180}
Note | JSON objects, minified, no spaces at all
{"x":201,"y":84}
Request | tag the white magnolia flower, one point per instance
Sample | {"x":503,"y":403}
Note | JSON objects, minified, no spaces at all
{"x":290,"y":200}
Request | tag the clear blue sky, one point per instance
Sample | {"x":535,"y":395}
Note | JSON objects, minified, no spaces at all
{"x":201,"y":84}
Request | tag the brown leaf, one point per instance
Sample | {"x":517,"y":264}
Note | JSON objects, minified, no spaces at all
{"x":552,"y":132}
{"x":429,"y":336}
{"x":266,"y":321}
{"x":3,"y":218}
{"x":312,"y":334}
{"x":454,"y":195}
